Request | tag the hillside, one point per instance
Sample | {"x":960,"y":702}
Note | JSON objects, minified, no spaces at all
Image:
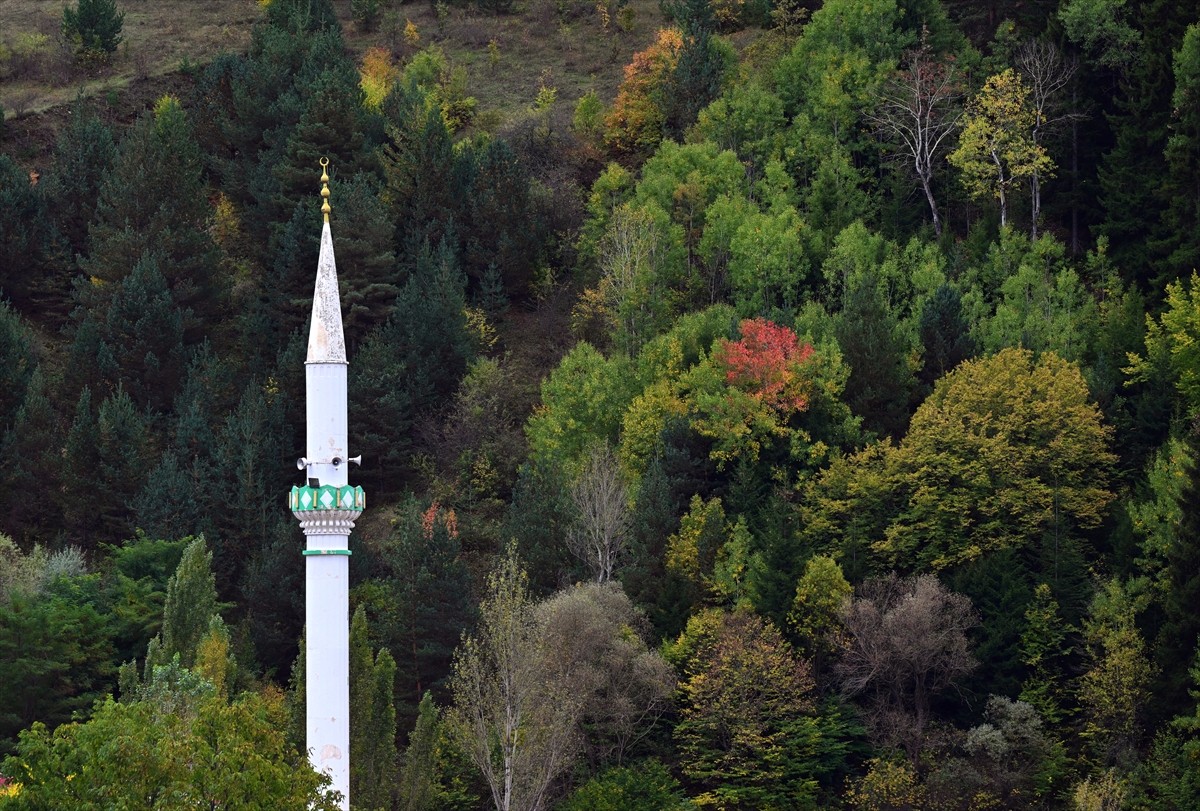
{"x":779,"y":406}
{"x":562,"y":45}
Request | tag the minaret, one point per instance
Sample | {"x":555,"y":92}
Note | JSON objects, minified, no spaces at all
{"x":326,"y":507}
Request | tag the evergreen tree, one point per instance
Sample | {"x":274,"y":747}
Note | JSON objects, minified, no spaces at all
{"x":83,"y":157}
{"x":26,"y":234}
{"x":880,"y":386}
{"x":944,"y":335}
{"x":501,"y":228}
{"x":1133,"y":174}
{"x":1177,"y":639}
{"x":81,"y":462}
{"x":424,"y":184}
{"x":93,"y":25}
{"x":89,"y":357}
{"x":144,"y":331}
{"x":367,"y":274}
{"x":330,"y":127}
{"x":168,"y":213}
{"x":123,"y":447}
{"x":421,"y":600}
{"x":1180,"y":188}
{"x":412,"y":362}
{"x":999,"y":588}
{"x":696,"y":79}
{"x":18,"y":363}
{"x":31,"y":455}
{"x":169,"y":504}
{"x":372,"y":720}
{"x":539,"y":516}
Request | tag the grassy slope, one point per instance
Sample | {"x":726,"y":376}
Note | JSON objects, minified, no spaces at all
{"x":559,"y":43}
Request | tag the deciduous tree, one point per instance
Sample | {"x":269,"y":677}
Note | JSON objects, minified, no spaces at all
{"x":918,"y":109}
{"x":601,"y":530}
{"x":996,"y":151}
{"x":907,"y":643}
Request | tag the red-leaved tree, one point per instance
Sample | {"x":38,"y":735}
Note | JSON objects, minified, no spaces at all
{"x":768,"y":363}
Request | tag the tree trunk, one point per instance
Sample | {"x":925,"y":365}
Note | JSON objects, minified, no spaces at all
{"x":933,"y":209}
{"x":1035,"y":188}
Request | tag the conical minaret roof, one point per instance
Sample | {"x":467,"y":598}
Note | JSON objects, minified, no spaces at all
{"x":326,"y":341}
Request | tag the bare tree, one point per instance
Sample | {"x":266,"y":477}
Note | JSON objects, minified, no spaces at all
{"x":908,"y":641}
{"x":538,"y":681}
{"x":518,"y":727}
{"x":1047,"y":72}
{"x":602,"y":528}
{"x":919,"y":109}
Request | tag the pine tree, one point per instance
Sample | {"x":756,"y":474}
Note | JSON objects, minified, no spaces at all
{"x":123,"y":448}
{"x":26,"y":234}
{"x":696,"y":79}
{"x":83,"y":157}
{"x":17,"y":363}
{"x":1177,"y":639}
{"x":502,"y":228}
{"x":329,"y":127}
{"x":31,"y":454}
{"x":367,"y":273}
{"x":159,"y":157}
{"x":169,"y":504}
{"x":93,"y":25}
{"x":80,"y":464}
{"x":944,"y":335}
{"x":880,"y":386}
{"x":144,"y":330}
{"x":424,"y":187}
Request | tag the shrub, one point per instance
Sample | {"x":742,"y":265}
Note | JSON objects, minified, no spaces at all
{"x":93,"y":25}
{"x":366,"y":13}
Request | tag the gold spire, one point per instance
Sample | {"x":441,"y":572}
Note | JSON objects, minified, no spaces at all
{"x":325,"y":188}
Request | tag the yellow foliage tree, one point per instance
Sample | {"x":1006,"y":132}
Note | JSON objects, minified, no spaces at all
{"x":996,"y":150}
{"x":377,"y":75}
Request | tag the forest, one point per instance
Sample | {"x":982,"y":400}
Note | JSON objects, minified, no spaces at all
{"x":804,"y":414}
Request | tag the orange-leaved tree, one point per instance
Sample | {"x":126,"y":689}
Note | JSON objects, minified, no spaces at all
{"x":635,"y":124}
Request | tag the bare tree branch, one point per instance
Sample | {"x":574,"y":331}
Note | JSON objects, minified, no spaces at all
{"x":917,"y":112}
{"x":1047,"y":73}
{"x":599,"y":535}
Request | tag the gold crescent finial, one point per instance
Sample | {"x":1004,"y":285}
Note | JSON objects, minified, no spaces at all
{"x":325,"y":187}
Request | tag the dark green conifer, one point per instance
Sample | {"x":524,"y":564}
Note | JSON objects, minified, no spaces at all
{"x":144,"y":330}
{"x":154,"y":200}
{"x":83,"y":157}
{"x":373,"y":757}
{"x":944,"y":335}
{"x":80,"y":464}
{"x":122,"y":447}
{"x":27,"y":239}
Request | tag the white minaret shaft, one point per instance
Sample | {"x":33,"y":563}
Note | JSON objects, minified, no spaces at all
{"x":326,"y":507}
